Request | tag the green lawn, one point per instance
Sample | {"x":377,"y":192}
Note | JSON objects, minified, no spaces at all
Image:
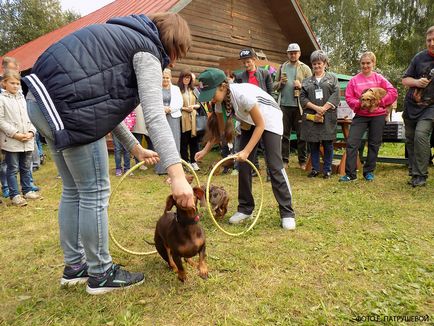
{"x":360,"y":250}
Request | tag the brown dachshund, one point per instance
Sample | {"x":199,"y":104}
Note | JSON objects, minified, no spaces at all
{"x":219,"y":200}
{"x":178,"y":235}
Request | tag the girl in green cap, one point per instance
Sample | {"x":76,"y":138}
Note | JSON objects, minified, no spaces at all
{"x":260,"y":118}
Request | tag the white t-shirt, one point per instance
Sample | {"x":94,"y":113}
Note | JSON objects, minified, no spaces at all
{"x":245,"y":96}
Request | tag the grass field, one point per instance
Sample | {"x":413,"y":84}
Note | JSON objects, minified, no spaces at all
{"x":361,"y":251}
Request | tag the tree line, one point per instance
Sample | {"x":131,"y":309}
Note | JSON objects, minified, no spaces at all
{"x":22,"y":21}
{"x":393,"y":29}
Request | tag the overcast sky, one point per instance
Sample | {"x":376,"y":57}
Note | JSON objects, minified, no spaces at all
{"x":83,"y":7}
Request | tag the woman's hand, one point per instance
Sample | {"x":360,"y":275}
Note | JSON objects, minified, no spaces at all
{"x":182,"y":192}
{"x":187,"y":108}
{"x":167,"y":109}
{"x":200,"y":155}
{"x":146,"y":155}
{"x":321,"y":110}
{"x":242,"y":156}
{"x":181,"y":189}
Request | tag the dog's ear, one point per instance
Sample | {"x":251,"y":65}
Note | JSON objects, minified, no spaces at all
{"x":199,"y":193}
{"x":170,"y":202}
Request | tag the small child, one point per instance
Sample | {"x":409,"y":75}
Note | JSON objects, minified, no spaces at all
{"x":120,"y":150}
{"x":17,"y":139}
{"x":260,"y":118}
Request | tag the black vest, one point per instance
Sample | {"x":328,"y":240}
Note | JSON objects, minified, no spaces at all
{"x":89,"y":76}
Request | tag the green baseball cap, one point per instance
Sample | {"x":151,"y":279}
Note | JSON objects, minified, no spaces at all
{"x":209,"y":80}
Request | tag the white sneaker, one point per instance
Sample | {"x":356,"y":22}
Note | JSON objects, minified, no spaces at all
{"x":195,"y":166}
{"x":18,"y":200}
{"x":32,"y":195}
{"x":288,"y":223}
{"x":238,"y":217}
{"x":143,"y":167}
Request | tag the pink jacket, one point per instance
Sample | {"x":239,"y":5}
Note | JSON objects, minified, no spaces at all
{"x":359,"y":83}
{"x":130,"y":120}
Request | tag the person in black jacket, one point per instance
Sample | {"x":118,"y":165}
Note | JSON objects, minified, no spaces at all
{"x":83,"y":87}
{"x":256,"y":76}
{"x":419,"y":111}
{"x":253,"y":74}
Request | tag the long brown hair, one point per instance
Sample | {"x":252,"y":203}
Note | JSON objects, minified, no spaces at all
{"x":174,"y":33}
{"x":212,"y":133}
{"x":180,"y":83}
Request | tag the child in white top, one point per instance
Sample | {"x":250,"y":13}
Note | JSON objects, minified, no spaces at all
{"x":260,"y":118}
{"x":17,"y":139}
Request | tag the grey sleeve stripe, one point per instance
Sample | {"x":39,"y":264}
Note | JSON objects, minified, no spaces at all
{"x":149,"y":79}
{"x":125,"y":136}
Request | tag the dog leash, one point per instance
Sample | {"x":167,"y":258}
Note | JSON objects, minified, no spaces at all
{"x":112,"y":196}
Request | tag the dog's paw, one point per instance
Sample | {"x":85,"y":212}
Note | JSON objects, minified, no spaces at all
{"x":182,"y":276}
{"x":203,"y":272}
{"x":173,"y":268}
{"x":204,"y":275}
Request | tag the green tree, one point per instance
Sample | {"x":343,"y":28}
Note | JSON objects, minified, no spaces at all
{"x":393,"y":29}
{"x":24,"y":20}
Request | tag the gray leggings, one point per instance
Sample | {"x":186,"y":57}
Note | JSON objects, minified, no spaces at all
{"x":417,"y":134}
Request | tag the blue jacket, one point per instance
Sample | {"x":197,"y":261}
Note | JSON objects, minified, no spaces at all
{"x":90,"y":79}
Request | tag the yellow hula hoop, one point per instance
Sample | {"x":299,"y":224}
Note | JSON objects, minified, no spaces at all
{"x":112,"y":195}
{"x":192,"y":171}
{"x":208,"y":184}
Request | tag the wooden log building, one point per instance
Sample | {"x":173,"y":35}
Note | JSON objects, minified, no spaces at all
{"x":220,"y":29}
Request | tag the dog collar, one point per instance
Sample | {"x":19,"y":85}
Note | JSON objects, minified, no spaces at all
{"x":195,"y":220}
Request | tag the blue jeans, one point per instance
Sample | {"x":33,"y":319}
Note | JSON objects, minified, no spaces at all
{"x":83,"y":219}
{"x":3,"y":179}
{"x":39,"y":144}
{"x":121,"y":152}
{"x":22,"y":162}
{"x":328,"y":155}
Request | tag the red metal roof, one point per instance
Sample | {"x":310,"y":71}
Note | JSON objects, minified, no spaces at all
{"x":28,"y":53}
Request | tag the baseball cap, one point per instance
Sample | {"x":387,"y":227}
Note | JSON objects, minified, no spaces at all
{"x":209,"y":80}
{"x":247,"y":53}
{"x":293,"y":47}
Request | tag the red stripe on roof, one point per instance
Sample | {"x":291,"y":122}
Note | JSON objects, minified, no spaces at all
{"x":28,"y":53}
